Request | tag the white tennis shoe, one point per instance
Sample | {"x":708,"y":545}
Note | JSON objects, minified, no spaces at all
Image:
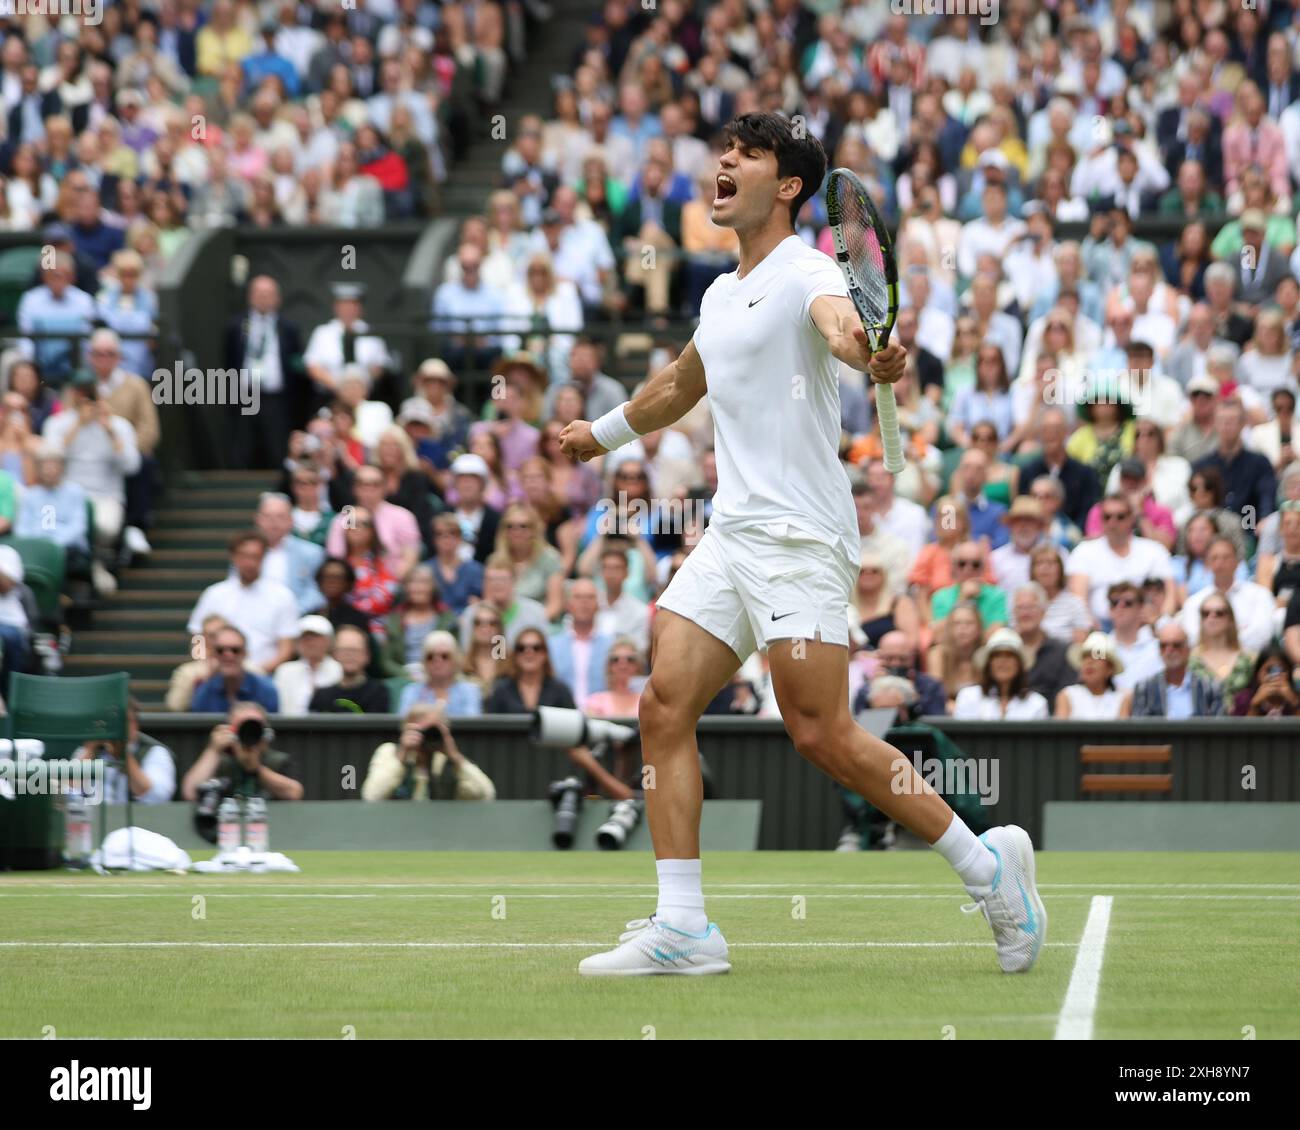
{"x":1011,"y":905}
{"x":648,"y":948}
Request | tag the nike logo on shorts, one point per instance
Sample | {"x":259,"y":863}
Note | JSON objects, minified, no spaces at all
{"x":783,"y":615}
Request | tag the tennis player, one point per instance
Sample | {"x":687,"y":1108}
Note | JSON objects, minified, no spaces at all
{"x":775,"y":568}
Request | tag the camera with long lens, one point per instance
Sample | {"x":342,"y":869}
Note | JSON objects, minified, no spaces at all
{"x":557,"y":727}
{"x":210,"y":795}
{"x":566,"y":798}
{"x":623,"y":819}
{"x":251,"y":731}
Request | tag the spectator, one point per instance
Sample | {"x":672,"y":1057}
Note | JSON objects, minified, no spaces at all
{"x":18,"y":616}
{"x":517,"y":612}
{"x":932,"y":569}
{"x":1155,"y":522}
{"x":1274,"y":438}
{"x":1218,"y":653}
{"x":1106,"y":435}
{"x":417,"y":614}
{"x":336,"y":580}
{"x":1165,"y":478}
{"x":1118,"y":555}
{"x":545,"y":304}
{"x":988,"y":400}
{"x":344,"y":340}
{"x":529,"y":681}
{"x":601,"y":392}
{"x":1191,"y":573}
{"x":968,"y":483}
{"x":100,"y":451}
{"x":951,"y":659}
{"x":1207,"y":492}
{"x":538,"y":568}
{"x":1077,"y":478}
{"x":449,"y":420}
{"x":55,"y":509}
{"x":55,"y":306}
{"x":1095,"y":697}
{"x":622,"y":666}
{"x":896,"y":515}
{"x":1067,"y":618}
{"x":896,"y":655}
{"x":469,"y":313}
{"x":422,"y":766}
{"x":1130,"y":635}
{"x":443,"y":684}
{"x":1252,"y":604}
{"x":264,"y":342}
{"x":1271,"y":693}
{"x":263,"y":610}
{"x":1247,"y":475}
{"x":876,"y":609}
{"x":1058,"y":529}
{"x":969,"y":563}
{"x":1011,"y":563}
{"x":578,"y":649}
{"x":1176,"y":692}
{"x":247,"y":769}
{"x":290,"y":561}
{"x":231,"y":683}
{"x":130,"y":398}
{"x":355,"y":692}
{"x":299,"y":679}
{"x":1048,"y":670}
{"x":1003,"y":690}
{"x":129,"y":307}
{"x":621,"y":614}
{"x":393,"y":528}
{"x":456,"y":574}
{"x":140,"y":767}
{"x":478,"y":521}
{"x":1280,"y":572}
{"x":874,"y":538}
{"x":485,"y":657}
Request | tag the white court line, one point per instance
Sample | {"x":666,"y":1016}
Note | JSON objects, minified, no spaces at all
{"x":485,"y":945}
{"x":1080,"y":1007}
{"x":231,"y":892}
{"x":289,"y":880}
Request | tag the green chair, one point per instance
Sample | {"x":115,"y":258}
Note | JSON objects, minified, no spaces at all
{"x":44,"y":571}
{"x":17,"y":269}
{"x":64,"y":713}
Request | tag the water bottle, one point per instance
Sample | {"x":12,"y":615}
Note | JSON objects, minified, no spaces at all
{"x":256,"y":825}
{"x":228,"y":825}
{"x":78,"y":832}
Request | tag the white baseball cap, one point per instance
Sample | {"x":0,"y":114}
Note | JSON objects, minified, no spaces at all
{"x":471,"y":464}
{"x":317,"y":626}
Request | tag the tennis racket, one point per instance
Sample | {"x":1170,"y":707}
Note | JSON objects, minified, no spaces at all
{"x":866,"y":257}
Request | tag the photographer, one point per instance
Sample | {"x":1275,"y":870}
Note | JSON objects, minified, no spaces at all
{"x":424,"y":764}
{"x":145,"y":766}
{"x":238,"y":752}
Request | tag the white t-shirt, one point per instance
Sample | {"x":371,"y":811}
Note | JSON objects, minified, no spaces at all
{"x":972,"y":703}
{"x":1103,"y":567}
{"x":265,"y":611}
{"x":775,"y":400}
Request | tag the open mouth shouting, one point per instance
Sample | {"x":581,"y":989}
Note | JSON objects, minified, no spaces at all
{"x":726,"y":188}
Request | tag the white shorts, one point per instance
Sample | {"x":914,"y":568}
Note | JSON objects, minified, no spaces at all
{"x":749,"y":587}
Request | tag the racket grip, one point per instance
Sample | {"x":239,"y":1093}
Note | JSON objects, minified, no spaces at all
{"x":890,"y":438}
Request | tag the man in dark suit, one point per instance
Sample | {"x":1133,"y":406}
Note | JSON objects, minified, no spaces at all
{"x":1259,"y":267}
{"x":1176,"y":692}
{"x":650,"y":220}
{"x":28,"y":114}
{"x":336,"y":49}
{"x":1172,"y":124}
{"x":1203,"y":143}
{"x":269,"y":349}
{"x":1078,"y":479}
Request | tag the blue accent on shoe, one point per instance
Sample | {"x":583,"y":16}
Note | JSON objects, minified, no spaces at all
{"x":686,"y":933}
{"x":1030,"y":924}
{"x":997,"y":875}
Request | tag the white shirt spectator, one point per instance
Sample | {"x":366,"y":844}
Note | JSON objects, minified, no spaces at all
{"x":297,"y":681}
{"x":264,"y":611}
{"x":1141,"y":658}
{"x":974,"y":704}
{"x":980,"y":237}
{"x":627,"y":616}
{"x":1252,"y":607}
{"x":1104,"y":567}
{"x":906,"y":521}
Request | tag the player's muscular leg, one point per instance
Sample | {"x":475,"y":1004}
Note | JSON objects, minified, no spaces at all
{"x":812,"y":687}
{"x":688,"y":668}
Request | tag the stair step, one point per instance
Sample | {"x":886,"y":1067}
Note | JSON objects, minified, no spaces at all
{"x":188,"y":534}
{"x":164,"y":599}
{"x":234,"y":518}
{"x":136,"y":616}
{"x":136,"y":641}
{"x":121,"y":661}
{"x":190,"y":555}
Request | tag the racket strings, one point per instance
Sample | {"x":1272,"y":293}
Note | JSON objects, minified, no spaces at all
{"x":866,"y":257}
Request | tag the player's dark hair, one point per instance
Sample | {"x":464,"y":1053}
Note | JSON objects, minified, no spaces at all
{"x":797,"y":154}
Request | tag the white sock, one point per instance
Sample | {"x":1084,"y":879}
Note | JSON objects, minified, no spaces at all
{"x":967,"y":855}
{"x":681,"y":895}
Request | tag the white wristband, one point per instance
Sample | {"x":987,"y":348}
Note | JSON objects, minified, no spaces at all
{"x":612,"y":430}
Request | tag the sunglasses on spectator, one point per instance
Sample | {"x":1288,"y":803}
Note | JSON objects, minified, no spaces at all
{"x":437,"y":655}
{"x":520,"y":648}
{"x":622,"y":658}
{"x":519,"y":525}
{"x":967,"y":563}
{"x":1197,"y":485}
{"x":228,"y":649}
{"x":1206,"y":613}
{"x":1123,"y":602}
{"x":369,"y":482}
{"x":1172,"y":645}
{"x":486,"y":621}
{"x":1114,"y":515}
{"x":1202,"y":392}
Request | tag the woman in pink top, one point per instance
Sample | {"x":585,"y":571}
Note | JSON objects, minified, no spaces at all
{"x":621,"y":667}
